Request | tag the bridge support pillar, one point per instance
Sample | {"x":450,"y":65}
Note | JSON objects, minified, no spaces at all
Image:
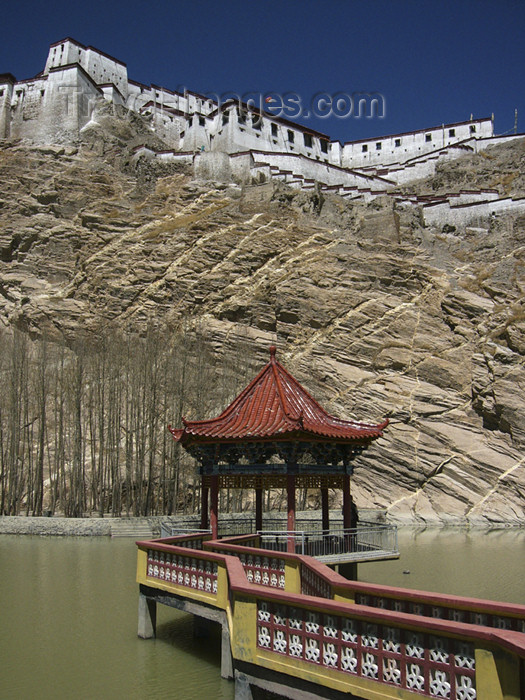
{"x":201,"y":629}
{"x":147,"y":627}
{"x":243,"y":690}
{"x":226,"y":653}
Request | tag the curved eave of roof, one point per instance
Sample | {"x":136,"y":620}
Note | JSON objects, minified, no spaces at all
{"x":335,"y":434}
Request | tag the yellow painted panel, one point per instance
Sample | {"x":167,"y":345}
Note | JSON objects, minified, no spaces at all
{"x":222,"y":586}
{"x":292,"y":576}
{"x":244,"y":637}
{"x":345,"y":596}
{"x":142,"y":565}
{"x":337,"y":680}
{"x":497,"y":675}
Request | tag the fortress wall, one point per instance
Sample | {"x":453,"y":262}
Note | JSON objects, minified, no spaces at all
{"x":55,"y":106}
{"x":68,"y":105}
{"x":6,"y":94}
{"x":235,"y":132}
{"x":99,"y":66}
{"x":402,"y":147}
{"x":27,"y":108}
{"x":213,"y":166}
{"x":441,"y":214}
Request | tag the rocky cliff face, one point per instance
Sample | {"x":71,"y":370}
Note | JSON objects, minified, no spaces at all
{"x":375,"y":313}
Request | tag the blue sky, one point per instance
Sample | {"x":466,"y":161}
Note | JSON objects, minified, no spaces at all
{"x":432,"y":62}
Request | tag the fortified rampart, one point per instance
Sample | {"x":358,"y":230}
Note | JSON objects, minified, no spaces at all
{"x":55,"y":105}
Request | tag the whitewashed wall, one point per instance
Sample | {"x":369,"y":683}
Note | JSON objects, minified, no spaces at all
{"x":399,"y":148}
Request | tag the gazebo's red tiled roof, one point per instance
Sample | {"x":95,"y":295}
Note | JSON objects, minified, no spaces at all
{"x":274,"y":405}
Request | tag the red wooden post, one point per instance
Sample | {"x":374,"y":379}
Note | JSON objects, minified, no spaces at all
{"x":290,"y":492}
{"x":347,"y":512}
{"x":214,"y":507}
{"x":258,"y":509}
{"x":347,"y":502}
{"x":204,"y":508}
{"x":325,"y":511}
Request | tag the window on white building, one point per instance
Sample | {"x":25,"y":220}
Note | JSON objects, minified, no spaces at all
{"x":308,"y":140}
{"x":291,"y":136}
{"x":324,"y":146}
{"x":379,"y":145}
{"x":428,"y":137}
{"x":364,"y":148}
{"x":472,"y":128}
{"x":451,"y":133}
{"x":397,"y":143}
{"x":257,"y":124}
{"x":202,"y":121}
{"x":274,"y":129}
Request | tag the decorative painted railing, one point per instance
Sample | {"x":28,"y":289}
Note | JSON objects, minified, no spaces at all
{"x":431,"y":664}
{"x":298,"y":617}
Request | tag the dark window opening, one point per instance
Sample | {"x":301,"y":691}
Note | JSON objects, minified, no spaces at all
{"x":324,"y":146}
{"x":473,"y":129}
{"x":257,"y":124}
{"x":397,"y":143}
{"x":225,"y":119}
{"x":364,"y":148}
{"x":308,"y":141}
{"x":451,"y":132}
{"x":428,"y":137}
{"x":1,"y":93}
{"x":291,"y":136}
{"x":182,"y":134}
{"x":274,"y":129}
{"x":378,"y":146}
{"x":202,"y":121}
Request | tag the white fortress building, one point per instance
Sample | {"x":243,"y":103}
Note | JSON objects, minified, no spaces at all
{"x":227,"y":141}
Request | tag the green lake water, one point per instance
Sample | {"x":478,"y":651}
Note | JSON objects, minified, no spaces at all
{"x":68,"y":612}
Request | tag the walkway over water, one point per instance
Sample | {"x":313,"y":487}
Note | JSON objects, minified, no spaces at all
{"x":294,"y":627}
{"x":337,"y":545}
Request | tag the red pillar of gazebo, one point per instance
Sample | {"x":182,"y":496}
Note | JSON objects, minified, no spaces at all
{"x":324,"y":510}
{"x":347,"y":503}
{"x":204,"y":508}
{"x":214,"y":506}
{"x":290,"y":526}
{"x":258,"y":508}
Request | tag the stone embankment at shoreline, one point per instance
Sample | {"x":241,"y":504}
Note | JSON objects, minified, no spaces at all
{"x":81,"y":527}
{"x":146,"y":527}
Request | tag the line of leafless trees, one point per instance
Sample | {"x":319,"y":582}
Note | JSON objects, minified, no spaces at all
{"x":83,"y":427}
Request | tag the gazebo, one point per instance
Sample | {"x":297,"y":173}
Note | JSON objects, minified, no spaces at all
{"x":275,"y":435}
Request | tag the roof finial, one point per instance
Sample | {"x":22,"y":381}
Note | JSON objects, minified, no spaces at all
{"x":273,"y":350}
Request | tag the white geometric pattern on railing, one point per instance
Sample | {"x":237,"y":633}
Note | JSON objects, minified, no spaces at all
{"x":200,"y":574}
{"x":429,"y":664}
{"x":266,"y":571}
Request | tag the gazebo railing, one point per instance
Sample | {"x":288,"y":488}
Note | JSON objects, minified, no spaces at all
{"x":363,"y":541}
{"x":229,"y":526}
{"x":368,"y":540}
